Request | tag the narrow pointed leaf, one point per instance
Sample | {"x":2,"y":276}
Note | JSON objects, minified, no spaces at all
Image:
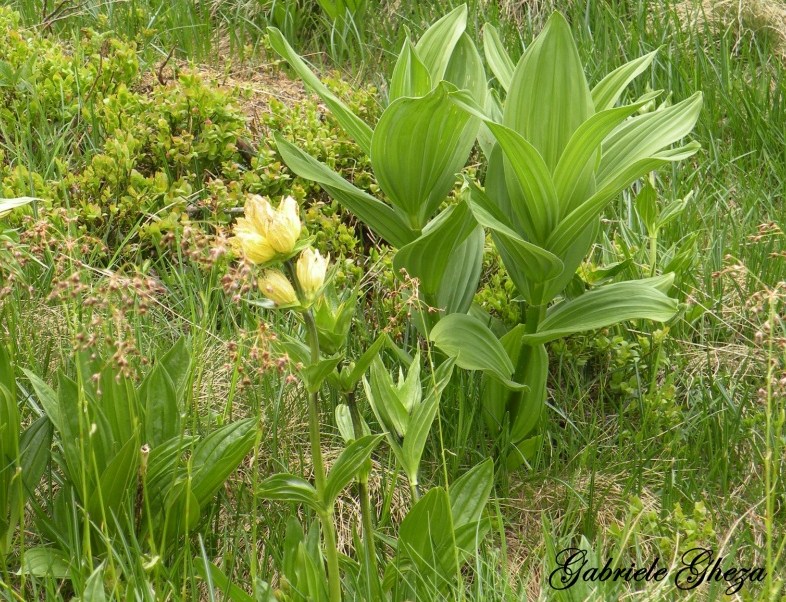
{"x":355,"y":127}
{"x":578,"y":220}
{"x":349,"y":463}
{"x":286,"y":487}
{"x":470,"y":492}
{"x":497,"y":57}
{"x":581,"y":152}
{"x":410,"y":76}
{"x":646,"y":135}
{"x":378,"y":216}
{"x":608,"y":91}
{"x":436,"y":45}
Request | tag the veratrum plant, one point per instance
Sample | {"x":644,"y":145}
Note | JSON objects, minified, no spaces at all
{"x":421,"y":141}
{"x":563,"y":151}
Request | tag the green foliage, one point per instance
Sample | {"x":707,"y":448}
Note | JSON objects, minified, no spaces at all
{"x":138,"y":481}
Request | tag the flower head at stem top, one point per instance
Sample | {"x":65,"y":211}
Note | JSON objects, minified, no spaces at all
{"x":310,"y":270}
{"x":265,"y":234}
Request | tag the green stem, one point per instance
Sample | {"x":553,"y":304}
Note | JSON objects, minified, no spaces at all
{"x":326,"y":517}
{"x":365,"y":502}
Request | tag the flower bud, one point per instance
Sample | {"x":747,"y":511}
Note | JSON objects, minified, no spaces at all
{"x":277,"y":287}
{"x":311,"y":268}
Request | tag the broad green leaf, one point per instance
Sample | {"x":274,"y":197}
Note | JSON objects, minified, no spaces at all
{"x":645,"y":135}
{"x":177,"y":363}
{"x":673,"y":210}
{"x":548,"y":97}
{"x":349,"y":463}
{"x":469,"y":535}
{"x":34,"y":446}
{"x":344,"y":423}
{"x":465,"y":70}
{"x":579,"y":159}
{"x":45,"y":562}
{"x":290,"y":488}
{"x":419,"y":427}
{"x":607,"y":305}
{"x":470,"y":492}
{"x":528,"y":265}
{"x":378,"y":216}
{"x":426,"y":535}
{"x":427,"y":257}
{"x":462,"y":274}
{"x":583,"y":216}
{"x":162,"y":414}
{"x":608,"y":91}
{"x":94,"y":586}
{"x":497,"y":57}
{"x":418,"y":147}
{"x":526,"y":408}
{"x":117,"y":483}
{"x":218,"y":455}
{"x":354,"y":126}
{"x":532,"y":194}
{"x":315,"y":374}
{"x":384,"y":399}
{"x":46,"y":397}
{"x":647,"y":207}
{"x":524,"y":450}
{"x":473,"y":346}
{"x":410,"y":76}
{"x":436,"y":45}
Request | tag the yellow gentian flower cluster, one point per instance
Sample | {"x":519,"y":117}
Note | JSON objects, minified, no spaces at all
{"x":266,"y":235}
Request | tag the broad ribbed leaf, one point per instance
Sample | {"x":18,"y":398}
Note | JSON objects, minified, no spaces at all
{"x":549,"y":97}
{"x":527,"y":173}
{"x":465,"y":70}
{"x":348,"y":465}
{"x":417,"y":434}
{"x":646,"y":135}
{"x":427,"y":257}
{"x":607,"y":305}
{"x":355,"y":127}
{"x":286,"y":487}
{"x":218,"y":455}
{"x":410,"y":76}
{"x":378,"y":216}
{"x":116,"y":484}
{"x":418,"y":147}
{"x":578,"y":162}
{"x":426,"y":536}
{"x":535,"y":262}
{"x":473,"y":346}
{"x":162,"y":415}
{"x":462,"y":274}
{"x":497,"y":57}
{"x":578,"y":220}
{"x":608,"y":91}
{"x":470,"y":492}
{"x":436,"y":45}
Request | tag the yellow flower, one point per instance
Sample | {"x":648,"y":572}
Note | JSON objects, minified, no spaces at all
{"x":284,"y":227}
{"x":310,"y":269}
{"x":254,"y":246}
{"x":264,"y":232}
{"x":277,"y":287}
